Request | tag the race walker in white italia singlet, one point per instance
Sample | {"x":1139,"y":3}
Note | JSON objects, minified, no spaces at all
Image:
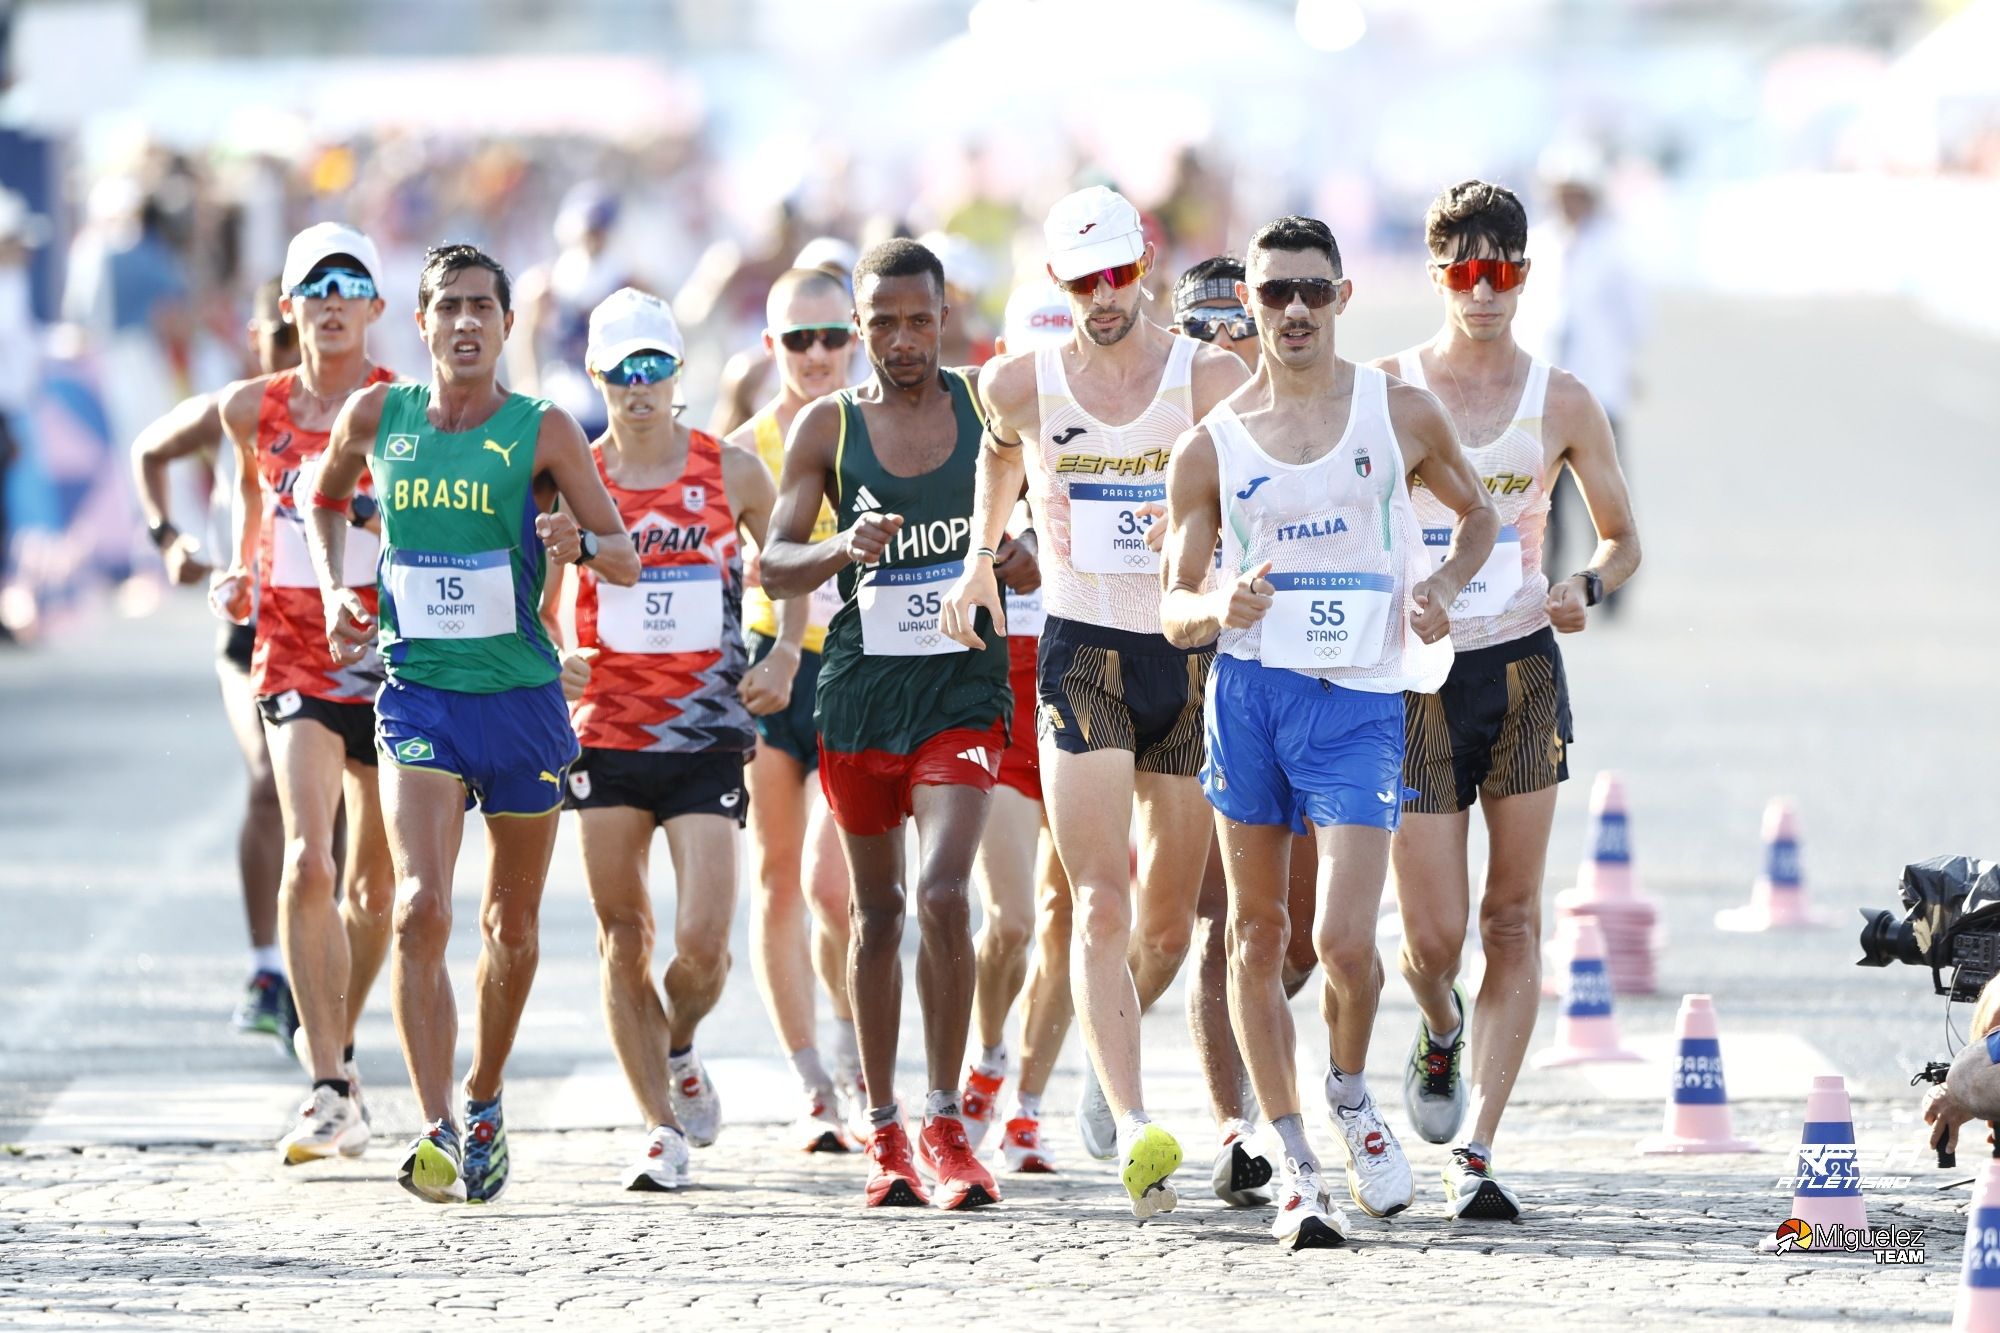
{"x":1508,"y":597}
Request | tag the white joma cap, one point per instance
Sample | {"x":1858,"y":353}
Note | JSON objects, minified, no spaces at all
{"x":322,"y":241}
{"x":1091,"y":230}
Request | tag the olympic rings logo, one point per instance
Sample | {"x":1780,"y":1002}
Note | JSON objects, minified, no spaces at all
{"x":1326,"y":650}
{"x":452,"y":627}
{"x":926,"y":640}
{"x":1136,"y":560}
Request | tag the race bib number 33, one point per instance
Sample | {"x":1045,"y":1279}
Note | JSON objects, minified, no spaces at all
{"x":671,"y":609}
{"x":1318,"y":621}
{"x":1107,"y":533}
{"x":902,"y":609}
{"x":443,"y":596}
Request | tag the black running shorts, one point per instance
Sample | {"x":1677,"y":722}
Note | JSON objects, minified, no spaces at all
{"x":1109,"y":689}
{"x":1500,"y":726}
{"x":665,"y":784}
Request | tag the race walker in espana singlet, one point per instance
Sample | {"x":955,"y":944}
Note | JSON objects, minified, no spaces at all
{"x":462,"y":566}
{"x":891,"y":678}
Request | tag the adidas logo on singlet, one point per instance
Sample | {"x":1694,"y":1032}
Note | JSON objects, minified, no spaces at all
{"x":865,"y":500}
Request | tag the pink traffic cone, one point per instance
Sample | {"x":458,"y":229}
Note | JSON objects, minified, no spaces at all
{"x":1585,"y":1030}
{"x":1778,"y":898}
{"x":1606,"y":871}
{"x":1826,"y":1182}
{"x":1978,"y":1308}
{"x":1698,"y":1105}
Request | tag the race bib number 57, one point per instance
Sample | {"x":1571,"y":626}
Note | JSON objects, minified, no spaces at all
{"x":671,"y":609}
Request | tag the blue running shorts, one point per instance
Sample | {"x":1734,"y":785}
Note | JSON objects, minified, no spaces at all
{"x":512,"y":749}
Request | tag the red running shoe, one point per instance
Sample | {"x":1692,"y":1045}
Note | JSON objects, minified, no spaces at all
{"x":1021,"y":1146}
{"x":961,"y":1181}
{"x":892,"y":1177}
{"x":978,"y":1102}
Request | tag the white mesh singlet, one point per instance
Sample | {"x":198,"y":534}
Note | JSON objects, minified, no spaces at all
{"x":1499,"y":604}
{"x":1344,"y":547}
{"x":1085,"y":483}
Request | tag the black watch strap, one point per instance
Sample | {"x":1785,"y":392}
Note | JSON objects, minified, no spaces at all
{"x":586,"y":546}
{"x":162,"y":534}
{"x":1593,"y":586}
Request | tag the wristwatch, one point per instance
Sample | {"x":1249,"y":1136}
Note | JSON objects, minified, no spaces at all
{"x":163,"y":534}
{"x":362,"y":508}
{"x":586,"y":546}
{"x":1593,"y":586}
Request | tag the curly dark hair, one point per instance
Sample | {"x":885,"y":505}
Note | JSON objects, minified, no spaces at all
{"x":1473,"y":211}
{"x":443,"y":264}
{"x":899,"y":257}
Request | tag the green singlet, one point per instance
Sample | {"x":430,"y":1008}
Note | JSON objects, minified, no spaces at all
{"x":886,"y":683}
{"x":462,"y":569}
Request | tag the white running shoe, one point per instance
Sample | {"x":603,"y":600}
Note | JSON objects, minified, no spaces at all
{"x":850,"y":1103}
{"x":1472,"y":1194}
{"x":1378,"y":1175}
{"x":694,"y":1099}
{"x":663,"y":1167}
{"x":821,"y":1129}
{"x":1243,"y":1171}
{"x":329,"y":1125}
{"x":1306,"y":1219}
{"x":352,"y":1074}
{"x":1434,"y":1090}
{"x":1095,"y":1124}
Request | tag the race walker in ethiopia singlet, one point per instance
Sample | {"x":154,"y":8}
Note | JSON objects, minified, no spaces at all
{"x":660,"y":721}
{"x":900,"y":702}
{"x":472,"y":674}
{"x":289,"y":671}
{"x":1500,"y":724}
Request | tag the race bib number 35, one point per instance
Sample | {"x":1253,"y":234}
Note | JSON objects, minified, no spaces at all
{"x":671,"y":609}
{"x":902,"y":609}
{"x":1318,"y":621}
{"x":1487,"y":592}
{"x":1107,"y":533}
{"x":442,"y":596}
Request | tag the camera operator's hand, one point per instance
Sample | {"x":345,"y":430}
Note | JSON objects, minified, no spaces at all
{"x":1945,"y":1113}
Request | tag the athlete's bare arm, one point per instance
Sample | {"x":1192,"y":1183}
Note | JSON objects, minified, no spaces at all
{"x":794,"y":613}
{"x":1214,"y":376}
{"x":233,"y":594}
{"x":1007,"y":388}
{"x":793,"y":564}
{"x":1431,"y":451}
{"x":1188,"y":616}
{"x":563,"y":453}
{"x":1583,"y":435}
{"x":192,"y":427}
{"x":349,"y":626}
{"x":766,"y":687}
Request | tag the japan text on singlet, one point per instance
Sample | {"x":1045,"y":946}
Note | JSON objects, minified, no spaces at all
{"x":890,"y":677}
{"x":759,"y":612}
{"x":1086,"y":482}
{"x":1344,"y":547}
{"x":291,"y":651}
{"x":670,"y":647}
{"x":462,"y":566}
{"x":1508,"y":598}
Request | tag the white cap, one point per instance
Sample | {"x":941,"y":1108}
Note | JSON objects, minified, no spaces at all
{"x":629,"y":321}
{"x":1090,"y":230}
{"x":1038,"y":316}
{"x":828,"y":252}
{"x":321,"y":241}
{"x":965,"y":265}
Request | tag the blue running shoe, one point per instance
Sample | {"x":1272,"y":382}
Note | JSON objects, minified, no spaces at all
{"x":433,"y":1168}
{"x":262,"y":1005}
{"x":485,"y":1151}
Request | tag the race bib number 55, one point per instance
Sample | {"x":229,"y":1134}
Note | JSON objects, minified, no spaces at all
{"x":902,"y":609}
{"x":1326,"y":620}
{"x":443,"y":596}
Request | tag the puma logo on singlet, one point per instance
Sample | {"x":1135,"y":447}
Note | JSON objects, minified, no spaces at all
{"x":1251,"y":489}
{"x":1068,"y":434}
{"x":506,"y":451}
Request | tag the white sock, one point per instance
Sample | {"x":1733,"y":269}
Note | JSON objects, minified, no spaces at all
{"x":993,"y":1060}
{"x":1129,"y":1126}
{"x":1443,"y":1038}
{"x":846,"y":1048}
{"x":269,"y":958}
{"x":1028,"y":1106}
{"x":940,"y":1102}
{"x":812,"y":1073}
{"x":1347,"y":1091}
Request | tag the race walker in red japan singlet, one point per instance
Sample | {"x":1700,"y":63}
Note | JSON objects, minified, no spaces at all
{"x":290,"y":661}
